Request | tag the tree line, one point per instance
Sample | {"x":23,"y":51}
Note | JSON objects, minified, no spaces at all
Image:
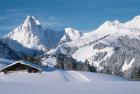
{"x":68,"y":63}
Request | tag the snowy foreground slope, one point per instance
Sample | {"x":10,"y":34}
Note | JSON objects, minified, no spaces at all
{"x":66,"y":82}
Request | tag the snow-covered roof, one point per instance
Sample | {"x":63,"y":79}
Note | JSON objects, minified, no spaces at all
{"x":25,"y":63}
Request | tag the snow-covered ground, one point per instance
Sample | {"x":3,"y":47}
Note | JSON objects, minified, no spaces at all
{"x":66,"y":82}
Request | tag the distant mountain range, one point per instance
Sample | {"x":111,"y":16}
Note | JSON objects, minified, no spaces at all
{"x":112,"y":48}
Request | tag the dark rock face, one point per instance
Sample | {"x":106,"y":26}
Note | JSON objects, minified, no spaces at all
{"x":99,"y":46}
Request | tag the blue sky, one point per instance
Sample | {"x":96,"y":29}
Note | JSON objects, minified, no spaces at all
{"x":84,"y":15}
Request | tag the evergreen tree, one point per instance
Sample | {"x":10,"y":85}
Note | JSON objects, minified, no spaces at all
{"x":136,"y":74}
{"x":32,"y":60}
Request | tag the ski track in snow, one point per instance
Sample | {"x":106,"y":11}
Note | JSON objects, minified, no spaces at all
{"x":73,"y":76}
{"x":77,"y":76}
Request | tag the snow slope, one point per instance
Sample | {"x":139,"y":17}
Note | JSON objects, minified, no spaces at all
{"x":66,"y":82}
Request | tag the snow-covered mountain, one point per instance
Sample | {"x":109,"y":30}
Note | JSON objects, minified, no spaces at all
{"x":70,"y":35}
{"x":112,"y":48}
{"x":30,"y":38}
{"x":134,"y":23}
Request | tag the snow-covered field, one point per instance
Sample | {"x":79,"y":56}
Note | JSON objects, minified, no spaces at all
{"x":66,"y":82}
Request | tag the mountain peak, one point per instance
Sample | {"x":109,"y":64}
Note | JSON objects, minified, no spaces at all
{"x":110,"y":26}
{"x":70,"y":30}
{"x":30,"y":38}
{"x":109,"y":23}
{"x":31,"y":22}
{"x":30,"y":35}
{"x":70,"y":34}
{"x":32,"y":19}
{"x":134,"y":23}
